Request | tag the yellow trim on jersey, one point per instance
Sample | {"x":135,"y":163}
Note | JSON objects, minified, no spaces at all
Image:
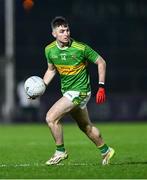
{"x":51,"y":45}
{"x":78,"y":45}
{"x":70,"y":69}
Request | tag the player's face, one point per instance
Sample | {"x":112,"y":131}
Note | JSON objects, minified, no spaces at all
{"x":62,"y":34}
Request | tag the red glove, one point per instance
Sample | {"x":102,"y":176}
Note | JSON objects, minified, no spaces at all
{"x":100,"y":95}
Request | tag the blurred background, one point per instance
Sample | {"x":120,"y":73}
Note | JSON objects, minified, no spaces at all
{"x":115,"y":29}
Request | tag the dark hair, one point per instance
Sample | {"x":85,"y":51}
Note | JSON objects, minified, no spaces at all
{"x":59,"y":21}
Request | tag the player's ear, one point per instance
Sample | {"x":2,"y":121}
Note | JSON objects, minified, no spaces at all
{"x":54,"y":34}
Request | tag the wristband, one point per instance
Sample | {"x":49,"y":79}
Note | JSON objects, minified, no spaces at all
{"x":102,"y":84}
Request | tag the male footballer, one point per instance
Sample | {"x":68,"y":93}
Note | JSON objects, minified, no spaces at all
{"x":70,"y":58}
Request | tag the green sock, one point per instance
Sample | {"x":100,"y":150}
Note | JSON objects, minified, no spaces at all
{"x":60,"y":147}
{"x":103,"y":148}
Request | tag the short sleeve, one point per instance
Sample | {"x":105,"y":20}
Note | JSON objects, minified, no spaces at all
{"x":47,"y":55}
{"x":90,"y":54}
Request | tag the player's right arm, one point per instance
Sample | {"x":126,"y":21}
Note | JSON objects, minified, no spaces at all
{"x":49,"y":74}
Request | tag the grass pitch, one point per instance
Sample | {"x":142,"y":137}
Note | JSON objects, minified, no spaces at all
{"x":25,"y":148}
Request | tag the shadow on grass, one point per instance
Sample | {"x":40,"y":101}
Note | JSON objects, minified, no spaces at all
{"x":130,"y":163}
{"x":72,"y":164}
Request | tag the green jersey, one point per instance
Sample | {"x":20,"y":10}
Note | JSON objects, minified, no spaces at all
{"x":71,"y":63}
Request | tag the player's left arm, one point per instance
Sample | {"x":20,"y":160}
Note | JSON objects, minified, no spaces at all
{"x":94,"y":57}
{"x":101,"y":95}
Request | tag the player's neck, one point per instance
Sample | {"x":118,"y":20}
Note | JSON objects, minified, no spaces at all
{"x":63,"y":45}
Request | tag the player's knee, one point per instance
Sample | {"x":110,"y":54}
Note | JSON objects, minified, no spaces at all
{"x":88,"y":129}
{"x":49,"y":120}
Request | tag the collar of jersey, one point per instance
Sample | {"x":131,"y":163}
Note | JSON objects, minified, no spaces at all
{"x":60,"y":47}
{"x":70,"y":42}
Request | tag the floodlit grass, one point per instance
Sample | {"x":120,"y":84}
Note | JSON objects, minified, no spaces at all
{"x":25,"y":148}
